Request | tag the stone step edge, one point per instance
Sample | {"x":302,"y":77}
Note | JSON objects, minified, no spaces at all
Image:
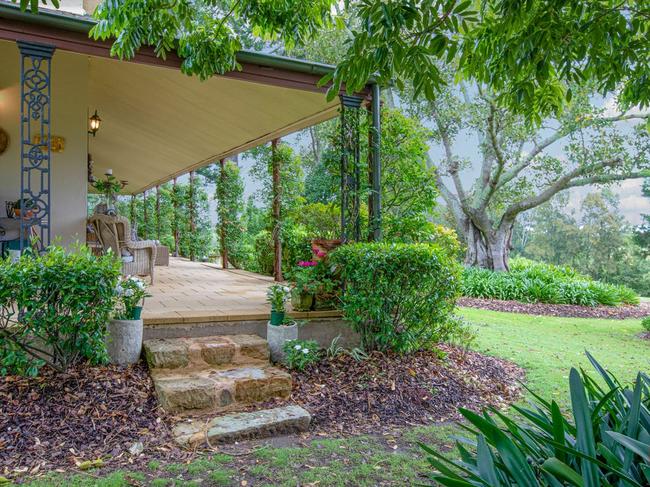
{"x":234,"y":427}
{"x":220,"y":394}
{"x":188,"y":352}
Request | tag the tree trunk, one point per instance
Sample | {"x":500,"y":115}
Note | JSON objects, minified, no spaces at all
{"x":488,"y":250}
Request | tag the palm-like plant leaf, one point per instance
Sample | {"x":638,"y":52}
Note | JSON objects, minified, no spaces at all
{"x":605,"y":442}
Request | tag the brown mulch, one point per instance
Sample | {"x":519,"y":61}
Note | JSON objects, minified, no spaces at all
{"x":563,"y":310}
{"x":390,"y":391}
{"x":645,"y":335}
{"x":60,"y":420}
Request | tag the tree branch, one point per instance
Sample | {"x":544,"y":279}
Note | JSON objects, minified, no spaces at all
{"x":609,"y":178}
{"x":558,"y":135}
{"x":560,"y":184}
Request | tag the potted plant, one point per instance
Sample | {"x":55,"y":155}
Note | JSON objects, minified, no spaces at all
{"x":124,"y":331}
{"x":109,"y":187}
{"x":320,"y":247}
{"x":304,"y":287}
{"x":277,"y":295}
{"x":23,"y":208}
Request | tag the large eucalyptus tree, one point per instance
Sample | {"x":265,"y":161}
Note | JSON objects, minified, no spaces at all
{"x":518,"y":166}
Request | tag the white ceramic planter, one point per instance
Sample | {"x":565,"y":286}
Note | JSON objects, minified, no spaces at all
{"x":276,"y":336}
{"x":124,"y":341}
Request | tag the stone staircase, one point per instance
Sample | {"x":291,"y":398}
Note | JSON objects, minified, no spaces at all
{"x":207,"y":380}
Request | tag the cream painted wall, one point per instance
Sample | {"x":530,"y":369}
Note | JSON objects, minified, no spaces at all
{"x":69,"y":120}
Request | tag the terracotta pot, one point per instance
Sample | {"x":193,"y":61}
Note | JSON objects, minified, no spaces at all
{"x":320,"y":246}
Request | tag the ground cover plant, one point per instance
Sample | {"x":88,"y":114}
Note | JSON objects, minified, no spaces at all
{"x":606,"y":441}
{"x":535,"y":282}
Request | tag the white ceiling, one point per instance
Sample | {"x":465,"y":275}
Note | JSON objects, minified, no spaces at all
{"x":158,"y":123}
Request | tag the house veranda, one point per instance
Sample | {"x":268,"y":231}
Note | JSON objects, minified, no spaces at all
{"x":156,"y":124}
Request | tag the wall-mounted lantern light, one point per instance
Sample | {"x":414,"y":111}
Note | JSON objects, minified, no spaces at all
{"x":93,"y":124}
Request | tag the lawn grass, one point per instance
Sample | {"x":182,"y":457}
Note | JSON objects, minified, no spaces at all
{"x":547,"y":347}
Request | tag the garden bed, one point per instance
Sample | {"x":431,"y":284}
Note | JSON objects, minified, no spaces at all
{"x":388,"y":392}
{"x":61,"y":420}
{"x":562,"y":310}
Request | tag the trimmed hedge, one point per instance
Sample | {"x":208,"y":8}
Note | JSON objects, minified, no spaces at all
{"x":535,"y":282}
{"x":54,"y":309}
{"x":398,"y":297}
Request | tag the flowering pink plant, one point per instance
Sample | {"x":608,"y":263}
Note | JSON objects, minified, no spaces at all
{"x":307,"y":263}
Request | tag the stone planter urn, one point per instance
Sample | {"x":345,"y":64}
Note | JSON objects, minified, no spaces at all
{"x":276,"y":336}
{"x":302,"y":301}
{"x":124,"y":341}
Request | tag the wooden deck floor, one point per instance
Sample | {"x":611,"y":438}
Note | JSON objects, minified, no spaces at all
{"x":190,"y":292}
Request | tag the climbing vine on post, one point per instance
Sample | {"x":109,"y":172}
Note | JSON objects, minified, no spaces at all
{"x":276,"y":210}
{"x":229,"y":196}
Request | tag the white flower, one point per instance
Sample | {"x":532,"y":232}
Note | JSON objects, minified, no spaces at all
{"x":305,"y":351}
{"x":119,"y":290}
{"x":129,"y":292}
{"x":297,"y":347}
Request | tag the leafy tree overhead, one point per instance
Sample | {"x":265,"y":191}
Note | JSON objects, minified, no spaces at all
{"x":528,"y":51}
{"x":519,"y":166}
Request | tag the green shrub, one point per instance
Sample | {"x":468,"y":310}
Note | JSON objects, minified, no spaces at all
{"x":264,"y":252}
{"x":54,"y":309}
{"x":535,"y":282}
{"x":296,"y":246}
{"x":645,"y":323}
{"x":301,"y":353}
{"x":398,"y":296}
{"x":605,"y":441}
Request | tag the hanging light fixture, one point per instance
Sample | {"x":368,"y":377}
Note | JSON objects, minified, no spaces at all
{"x":93,"y":124}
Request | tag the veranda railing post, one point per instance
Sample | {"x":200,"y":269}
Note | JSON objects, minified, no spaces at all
{"x":350,"y":168}
{"x":277,"y":208}
{"x":158,"y":213}
{"x":375,"y":151}
{"x":145,"y":217}
{"x":192,"y":222}
{"x":35,"y":151}
{"x":222,"y":220}
{"x":175,"y":218}
{"x":132,"y":211}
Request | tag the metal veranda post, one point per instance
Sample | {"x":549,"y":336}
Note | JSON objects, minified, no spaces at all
{"x":35,"y":147}
{"x":376,"y":163}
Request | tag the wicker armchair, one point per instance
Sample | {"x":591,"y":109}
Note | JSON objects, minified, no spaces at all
{"x":114,"y":232}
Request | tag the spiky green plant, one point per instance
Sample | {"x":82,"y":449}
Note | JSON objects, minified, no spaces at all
{"x":604,"y":442}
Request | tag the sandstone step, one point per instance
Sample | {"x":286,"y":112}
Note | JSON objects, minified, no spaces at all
{"x":203,"y":352}
{"x":206,"y":390}
{"x":242,"y":426}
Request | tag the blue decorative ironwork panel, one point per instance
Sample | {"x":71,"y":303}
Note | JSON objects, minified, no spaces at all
{"x":35,"y":156}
